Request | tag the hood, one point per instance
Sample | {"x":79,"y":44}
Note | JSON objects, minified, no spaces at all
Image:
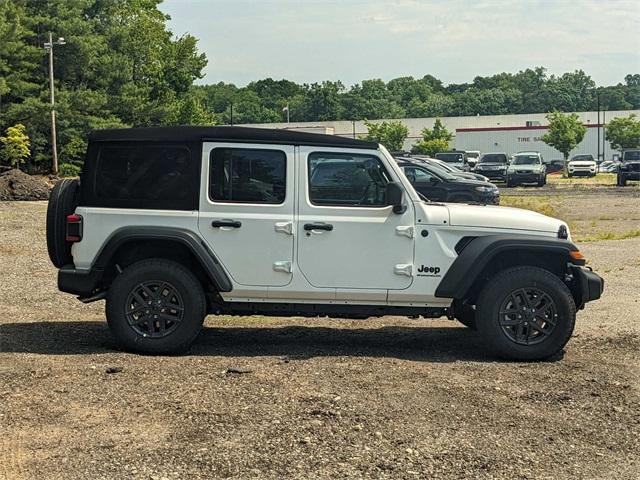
{"x":491,"y":164}
{"x":582,"y":163}
{"x":527,"y":168}
{"x":501,"y":218}
{"x":472,"y":182}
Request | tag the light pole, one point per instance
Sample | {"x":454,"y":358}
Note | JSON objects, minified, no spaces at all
{"x":54,"y":148}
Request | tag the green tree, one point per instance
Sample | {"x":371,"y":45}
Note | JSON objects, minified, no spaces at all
{"x":434,"y":140}
{"x":565,"y":133}
{"x":623,"y":132}
{"x":390,"y":134}
{"x":15,"y":146}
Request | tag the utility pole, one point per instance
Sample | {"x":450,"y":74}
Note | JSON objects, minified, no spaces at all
{"x":598,"y":106}
{"x":54,"y":147}
{"x":231,"y":113}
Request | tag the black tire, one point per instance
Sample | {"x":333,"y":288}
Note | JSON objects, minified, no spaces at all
{"x":467,"y":317}
{"x":553,"y":294}
{"x":142,"y":336}
{"x":622,"y":182}
{"x":63,"y":200}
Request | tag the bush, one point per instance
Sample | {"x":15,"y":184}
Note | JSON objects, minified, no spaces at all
{"x":68,"y":170}
{"x":15,"y":146}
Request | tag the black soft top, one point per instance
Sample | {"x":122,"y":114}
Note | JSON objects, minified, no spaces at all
{"x":226,"y":134}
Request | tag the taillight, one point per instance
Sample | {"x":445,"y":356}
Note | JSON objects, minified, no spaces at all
{"x":74,"y":228}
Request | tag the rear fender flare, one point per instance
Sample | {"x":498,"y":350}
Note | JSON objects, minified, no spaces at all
{"x":189,"y":239}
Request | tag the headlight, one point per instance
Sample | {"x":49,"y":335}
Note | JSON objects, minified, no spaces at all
{"x":486,"y":189}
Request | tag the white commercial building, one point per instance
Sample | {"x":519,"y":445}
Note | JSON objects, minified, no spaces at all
{"x":491,"y":133}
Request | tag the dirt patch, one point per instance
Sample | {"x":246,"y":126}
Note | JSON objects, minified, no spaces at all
{"x":386,"y":398}
{"x":17,"y":185}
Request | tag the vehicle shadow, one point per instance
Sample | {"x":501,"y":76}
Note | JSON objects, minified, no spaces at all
{"x":420,"y":343}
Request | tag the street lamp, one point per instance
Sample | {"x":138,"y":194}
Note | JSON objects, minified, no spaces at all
{"x":54,"y":148}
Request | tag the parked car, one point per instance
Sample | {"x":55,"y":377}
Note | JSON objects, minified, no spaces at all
{"x":472,"y":158}
{"x":170,"y":224}
{"x":438,"y":185}
{"x":455,"y":159}
{"x":554,"y":166}
{"x":449,"y":168}
{"x":526,"y":167}
{"x":629,"y":168}
{"x":493,"y":165}
{"x":582,"y":165}
{"x":609,"y":166}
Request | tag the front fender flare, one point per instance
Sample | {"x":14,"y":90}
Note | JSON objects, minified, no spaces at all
{"x":477,"y":255}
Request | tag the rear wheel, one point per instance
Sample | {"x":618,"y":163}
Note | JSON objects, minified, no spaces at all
{"x":525,"y":313}
{"x":155,"y":306}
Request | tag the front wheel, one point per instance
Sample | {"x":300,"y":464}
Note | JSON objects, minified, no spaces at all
{"x":155,"y":306}
{"x":622,"y":182}
{"x":525,"y":313}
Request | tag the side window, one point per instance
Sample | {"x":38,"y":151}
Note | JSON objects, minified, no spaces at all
{"x":246,"y":175}
{"x":144,"y":172}
{"x":342,"y":179}
{"x":418,"y":175}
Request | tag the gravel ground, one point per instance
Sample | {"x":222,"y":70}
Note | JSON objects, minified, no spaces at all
{"x":310,"y":399}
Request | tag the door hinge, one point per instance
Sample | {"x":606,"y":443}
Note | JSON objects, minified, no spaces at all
{"x":284,"y":227}
{"x":282,"y":266}
{"x":405,"y":230}
{"x":405,"y":269}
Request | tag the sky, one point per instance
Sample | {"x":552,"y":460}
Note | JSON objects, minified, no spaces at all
{"x":453,"y":40}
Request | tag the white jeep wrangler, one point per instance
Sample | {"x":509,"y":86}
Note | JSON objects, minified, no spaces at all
{"x":171,"y":224}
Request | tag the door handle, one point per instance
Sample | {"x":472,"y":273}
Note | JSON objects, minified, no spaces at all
{"x":226,"y":223}
{"x":318,"y":226}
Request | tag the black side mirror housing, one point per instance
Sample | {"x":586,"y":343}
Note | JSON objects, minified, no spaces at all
{"x":394,"y":195}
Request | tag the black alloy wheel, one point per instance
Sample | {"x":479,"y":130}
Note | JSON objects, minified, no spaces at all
{"x":154,"y":309}
{"x":528,"y":316}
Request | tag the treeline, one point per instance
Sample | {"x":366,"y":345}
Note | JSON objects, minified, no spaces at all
{"x":121,"y":66}
{"x":528,"y":91}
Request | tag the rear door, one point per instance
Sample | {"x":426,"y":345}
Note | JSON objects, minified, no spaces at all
{"x":246,"y":210}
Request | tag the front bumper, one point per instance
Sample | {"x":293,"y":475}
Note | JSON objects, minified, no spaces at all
{"x":629,"y":174}
{"x":582,"y":170}
{"x":524,"y":177}
{"x":587,"y":285}
{"x":492,"y":174}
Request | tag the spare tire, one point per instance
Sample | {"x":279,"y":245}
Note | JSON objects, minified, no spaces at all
{"x":63,"y":200}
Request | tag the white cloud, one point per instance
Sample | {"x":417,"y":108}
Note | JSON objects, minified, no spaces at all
{"x":453,"y":40}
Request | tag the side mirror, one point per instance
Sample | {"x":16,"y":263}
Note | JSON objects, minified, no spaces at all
{"x":435,"y":180}
{"x":394,"y":194}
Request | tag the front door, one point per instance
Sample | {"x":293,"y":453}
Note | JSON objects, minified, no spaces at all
{"x":246,"y":210}
{"x":348,"y":238}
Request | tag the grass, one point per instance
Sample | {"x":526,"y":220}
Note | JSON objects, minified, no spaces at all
{"x":600,"y":236}
{"x":540,"y":204}
{"x":604,"y":179}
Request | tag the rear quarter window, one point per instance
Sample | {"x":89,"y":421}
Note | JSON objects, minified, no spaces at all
{"x":148,"y":176}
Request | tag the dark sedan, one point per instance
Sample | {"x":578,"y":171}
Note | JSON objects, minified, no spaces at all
{"x":438,"y":185}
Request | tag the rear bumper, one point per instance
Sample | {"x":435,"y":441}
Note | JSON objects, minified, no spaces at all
{"x":83,"y":283}
{"x":588,"y":285}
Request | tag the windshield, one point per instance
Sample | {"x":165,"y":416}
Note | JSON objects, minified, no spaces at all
{"x":450,"y":157}
{"x":444,"y":166}
{"x":526,"y":160}
{"x":494,"y":158}
{"x":583,"y":158}
{"x":632,"y":155}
